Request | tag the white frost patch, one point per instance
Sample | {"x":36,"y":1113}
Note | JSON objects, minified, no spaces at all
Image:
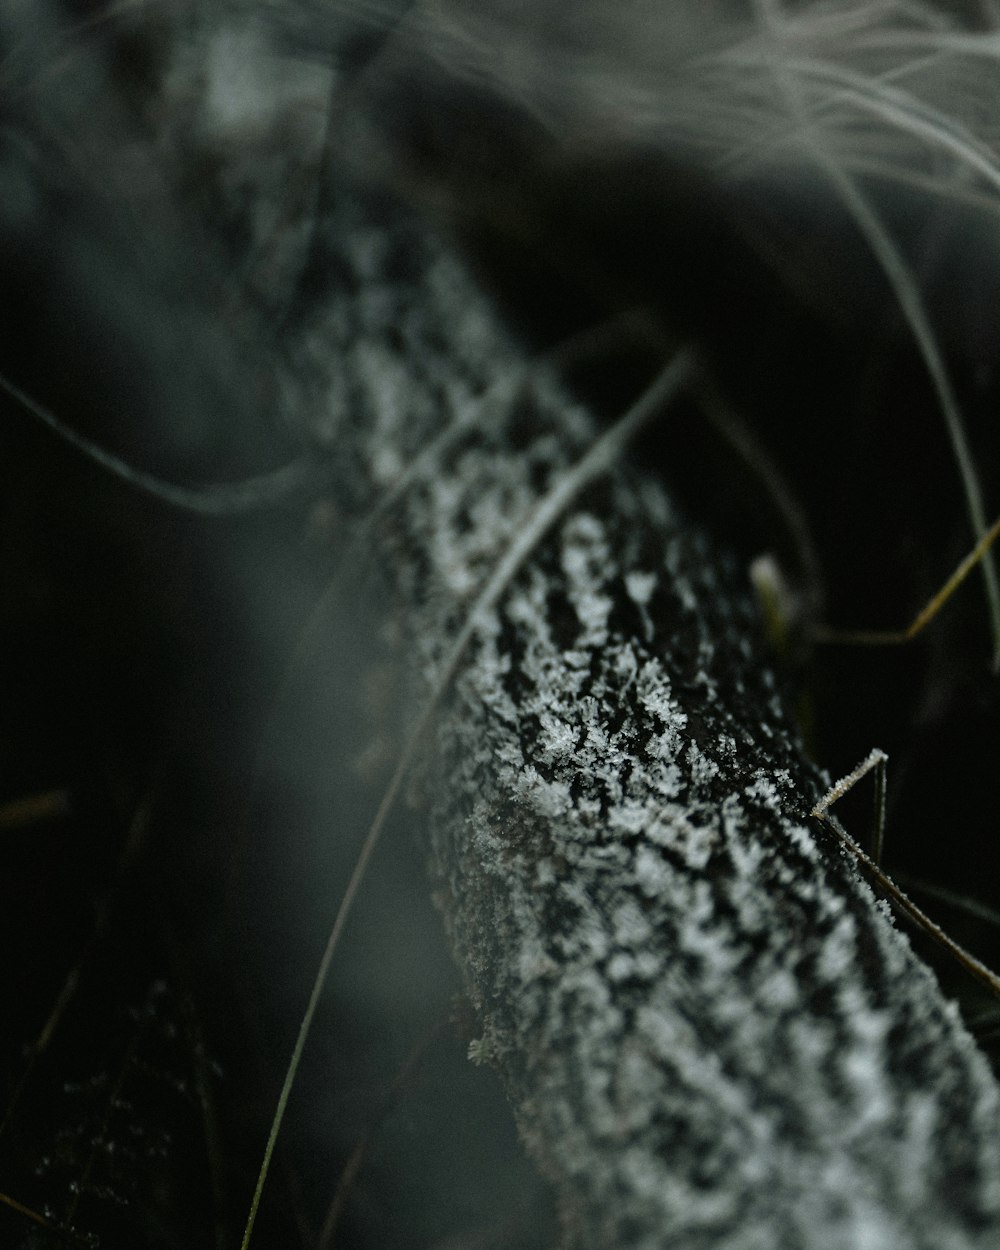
{"x":866,"y":1226}
{"x":629,"y":817}
{"x":533,"y":963}
{"x":640,"y":586}
{"x":630,"y":926}
{"x":746,"y":854}
{"x":386,"y":384}
{"x":865,"y":1071}
{"x":885,"y":907}
{"x":766,"y":792}
{"x":625,"y":665}
{"x":587,"y":563}
{"x":577,"y":657}
{"x":780,"y":990}
{"x":719,"y":958}
{"x":701,"y":769}
{"x":696,"y":843}
{"x":647,"y":965}
{"x":509,"y":756}
{"x":548,"y":798}
{"x":545,"y":873}
{"x":665,"y":745}
{"x":803,"y":841}
{"x":620,"y":967}
{"x":558,"y":739}
{"x":918,"y":1135}
{"x":654,"y":691}
{"x":840,"y":950}
{"x":652,"y":875}
{"x":593,"y":611}
{"x":667,"y":1033}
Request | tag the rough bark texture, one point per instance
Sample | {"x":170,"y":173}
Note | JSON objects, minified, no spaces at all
{"x":712,"y":1033}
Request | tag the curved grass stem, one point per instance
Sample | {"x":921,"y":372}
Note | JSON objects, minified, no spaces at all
{"x":821,"y":812}
{"x":220,"y":499}
{"x":892,"y":637}
{"x":906,"y":291}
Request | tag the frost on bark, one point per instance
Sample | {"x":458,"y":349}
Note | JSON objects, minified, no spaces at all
{"x":710,"y":1030}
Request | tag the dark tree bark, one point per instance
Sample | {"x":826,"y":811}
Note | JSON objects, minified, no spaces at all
{"x":711,"y":1031}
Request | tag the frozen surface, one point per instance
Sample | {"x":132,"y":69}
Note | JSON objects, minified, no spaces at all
{"x":711,"y":1033}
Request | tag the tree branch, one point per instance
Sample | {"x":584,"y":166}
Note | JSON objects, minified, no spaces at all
{"x":711,"y":1031}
